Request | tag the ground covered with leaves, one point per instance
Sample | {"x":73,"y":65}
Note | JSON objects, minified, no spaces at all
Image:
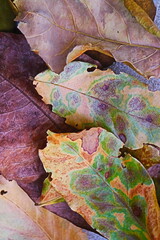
{"x":79,"y":136}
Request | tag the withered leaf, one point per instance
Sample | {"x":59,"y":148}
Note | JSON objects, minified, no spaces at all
{"x":115,"y":195}
{"x":53,"y":28}
{"x":88,"y":97}
{"x":21,"y":219}
{"x":24,"y":120}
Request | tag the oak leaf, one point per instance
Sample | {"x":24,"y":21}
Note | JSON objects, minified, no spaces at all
{"x":53,"y":28}
{"x":88,"y":97}
{"x":21,"y":219}
{"x":115,"y":195}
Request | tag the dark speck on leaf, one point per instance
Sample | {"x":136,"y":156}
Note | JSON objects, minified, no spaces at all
{"x":3,"y":192}
{"x":107,"y":174}
{"x":137,"y":211}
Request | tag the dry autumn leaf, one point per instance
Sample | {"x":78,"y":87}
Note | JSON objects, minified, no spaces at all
{"x":94,"y":98}
{"x":21,"y":219}
{"x":24,"y":120}
{"x":115,"y":195}
{"x":53,"y":28}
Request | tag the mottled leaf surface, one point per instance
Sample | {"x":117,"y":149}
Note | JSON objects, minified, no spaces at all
{"x":115,"y":195}
{"x":148,"y":155}
{"x":106,"y":24}
{"x":89,"y":98}
{"x":21,"y":219}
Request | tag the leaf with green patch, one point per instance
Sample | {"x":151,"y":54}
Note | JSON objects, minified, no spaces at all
{"x":115,"y":195}
{"x":119,"y":103}
{"x":53,"y":28}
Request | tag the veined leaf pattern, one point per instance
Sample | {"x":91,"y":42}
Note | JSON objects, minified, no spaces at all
{"x":119,"y":103}
{"x":115,"y":195}
{"x":53,"y":28}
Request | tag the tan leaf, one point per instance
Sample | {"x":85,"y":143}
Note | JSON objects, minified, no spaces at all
{"x":53,"y":28}
{"x":21,"y":219}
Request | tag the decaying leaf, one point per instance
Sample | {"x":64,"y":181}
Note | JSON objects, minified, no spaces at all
{"x":21,"y":219}
{"x":53,"y":28}
{"x":49,"y":195}
{"x":142,"y":17}
{"x":115,"y":195}
{"x":119,"y":103}
{"x":148,"y":155}
{"x":25,"y":120}
{"x":148,"y":6}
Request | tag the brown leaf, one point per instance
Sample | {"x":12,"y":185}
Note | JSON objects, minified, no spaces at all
{"x":104,"y":24}
{"x":25,"y":120}
{"x":21,"y":219}
{"x":148,"y":6}
{"x":141,"y":16}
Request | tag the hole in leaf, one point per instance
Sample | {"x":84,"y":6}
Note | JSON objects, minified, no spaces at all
{"x":91,"y":69}
{"x":102,"y":61}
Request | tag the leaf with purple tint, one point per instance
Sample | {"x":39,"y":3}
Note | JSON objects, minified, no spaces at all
{"x":119,"y":103}
{"x":115,"y":195}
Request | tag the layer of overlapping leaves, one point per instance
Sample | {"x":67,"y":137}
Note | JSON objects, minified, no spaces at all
{"x":100,"y":172}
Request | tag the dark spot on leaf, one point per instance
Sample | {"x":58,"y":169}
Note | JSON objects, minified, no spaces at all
{"x":122,"y":137}
{"x":136,"y":104}
{"x":149,"y":119}
{"x":107,"y":174}
{"x":117,"y":31}
{"x":3,"y":192}
{"x":102,"y":106}
{"x":76,"y":124}
{"x":91,"y":69}
{"x":137,"y":211}
{"x":105,"y":87}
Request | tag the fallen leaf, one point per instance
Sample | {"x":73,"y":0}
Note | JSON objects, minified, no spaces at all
{"x":115,"y":195}
{"x":148,"y":155}
{"x":88,"y":97}
{"x":21,"y":219}
{"x":104,"y":24}
{"x":142,"y":17}
{"x":148,"y":6}
{"x":49,"y":195}
{"x":25,"y":120}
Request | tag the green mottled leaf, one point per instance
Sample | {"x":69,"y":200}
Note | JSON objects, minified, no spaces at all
{"x":115,"y":195}
{"x":119,"y":103}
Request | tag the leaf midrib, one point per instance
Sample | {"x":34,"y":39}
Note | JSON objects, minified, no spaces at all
{"x":88,"y":35}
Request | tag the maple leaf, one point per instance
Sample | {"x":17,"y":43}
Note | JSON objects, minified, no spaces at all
{"x":119,"y":103}
{"x":25,"y":120}
{"x":115,"y":195}
{"x":21,"y":219}
{"x":53,"y":28}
